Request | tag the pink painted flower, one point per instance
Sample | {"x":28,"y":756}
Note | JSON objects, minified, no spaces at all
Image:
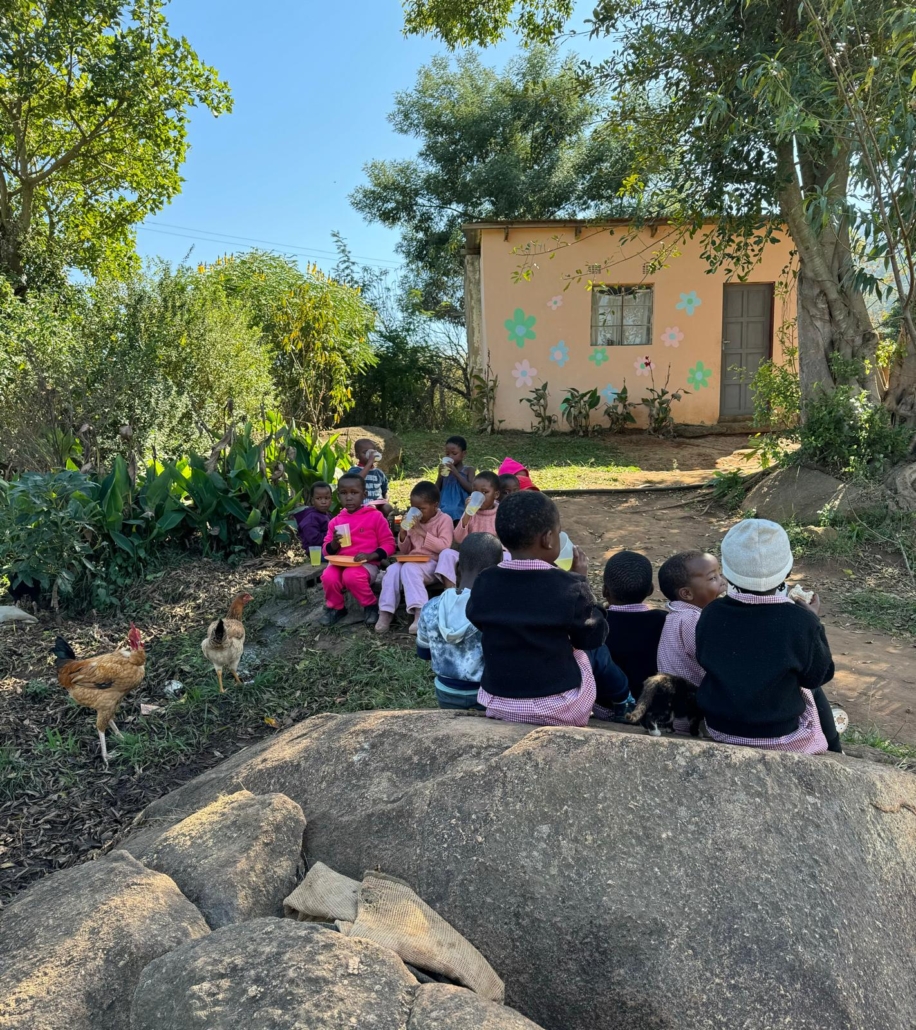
{"x":555,"y":302}
{"x":672,"y":336}
{"x":643,"y":366}
{"x":524,"y":373}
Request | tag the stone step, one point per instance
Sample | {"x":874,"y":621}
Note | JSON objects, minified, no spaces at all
{"x":295,"y":582}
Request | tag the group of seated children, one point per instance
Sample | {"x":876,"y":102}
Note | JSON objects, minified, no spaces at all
{"x":523,"y":640}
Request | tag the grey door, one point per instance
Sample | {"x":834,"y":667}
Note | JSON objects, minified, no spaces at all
{"x":747,"y":339}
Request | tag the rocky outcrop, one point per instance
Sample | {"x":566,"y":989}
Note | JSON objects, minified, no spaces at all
{"x":800,"y":494}
{"x":72,"y":947}
{"x":235,"y":859}
{"x":620,"y":882}
{"x":901,"y":486}
{"x":281,"y":975}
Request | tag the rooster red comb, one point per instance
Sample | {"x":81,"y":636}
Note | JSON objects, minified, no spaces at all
{"x":133,"y":637}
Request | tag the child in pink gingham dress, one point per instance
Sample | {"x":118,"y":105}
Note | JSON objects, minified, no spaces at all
{"x":483,"y":521}
{"x":429,"y":535}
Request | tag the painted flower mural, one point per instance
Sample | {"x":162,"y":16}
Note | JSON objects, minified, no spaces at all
{"x":524,"y":374}
{"x":689,"y":302}
{"x":559,"y":353}
{"x":644,"y":365}
{"x":609,"y":393}
{"x":520,"y":327}
{"x":699,"y":376}
{"x":598,"y":356}
{"x":555,"y":302}
{"x":672,"y":336}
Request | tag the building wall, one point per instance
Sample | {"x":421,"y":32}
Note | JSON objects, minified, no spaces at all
{"x":555,"y":306}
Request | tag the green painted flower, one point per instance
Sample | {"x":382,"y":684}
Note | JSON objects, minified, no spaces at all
{"x":598,"y":356}
{"x":699,"y":376}
{"x":520,"y":328}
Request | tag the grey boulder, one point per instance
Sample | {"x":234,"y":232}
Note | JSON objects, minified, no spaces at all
{"x":441,"y":1007}
{"x":72,"y":947}
{"x":236,"y":859}
{"x":800,"y":494}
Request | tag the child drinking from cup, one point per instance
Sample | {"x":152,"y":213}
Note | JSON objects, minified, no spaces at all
{"x":455,"y":480}
{"x":312,"y":522}
{"x":479,"y":517}
{"x":428,"y":531}
{"x":376,"y":481}
{"x":361,"y":532}
{"x":537,"y":622}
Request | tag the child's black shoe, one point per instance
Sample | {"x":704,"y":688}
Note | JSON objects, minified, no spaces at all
{"x":622,"y":709}
{"x":371,"y":611}
{"x":332,"y":616}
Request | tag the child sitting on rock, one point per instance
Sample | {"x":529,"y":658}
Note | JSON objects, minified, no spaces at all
{"x":766,"y":658}
{"x":537,"y":622}
{"x":312,"y":522}
{"x":429,"y":535}
{"x":482,"y":521}
{"x":362,"y":533}
{"x":515,"y":468}
{"x":376,"y":481}
{"x":447,"y":638}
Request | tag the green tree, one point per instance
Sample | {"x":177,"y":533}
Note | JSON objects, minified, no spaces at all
{"x":94,"y":109}
{"x":516,"y":144}
{"x":794,"y":112}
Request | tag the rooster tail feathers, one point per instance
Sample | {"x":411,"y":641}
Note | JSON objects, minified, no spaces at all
{"x":650,"y":688}
{"x":219,"y":632}
{"x":63,"y":652}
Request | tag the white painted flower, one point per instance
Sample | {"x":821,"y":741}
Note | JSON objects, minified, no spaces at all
{"x":672,"y":336}
{"x":524,"y":373}
{"x":555,"y":302}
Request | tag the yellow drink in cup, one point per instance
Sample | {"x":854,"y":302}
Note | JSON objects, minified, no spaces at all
{"x":474,"y":503}
{"x":445,"y":467}
{"x":565,"y":560}
{"x":343,"y":535}
{"x":315,"y":555}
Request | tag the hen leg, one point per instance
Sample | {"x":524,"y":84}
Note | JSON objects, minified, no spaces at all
{"x":235,"y":676}
{"x":219,"y":676}
{"x":114,"y":728}
{"x":104,"y":748}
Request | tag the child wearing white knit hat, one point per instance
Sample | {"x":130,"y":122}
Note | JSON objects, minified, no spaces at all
{"x":766,"y":658}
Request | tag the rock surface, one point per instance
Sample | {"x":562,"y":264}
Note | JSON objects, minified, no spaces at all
{"x":621,"y":882}
{"x":73,"y":946}
{"x":385,"y":440}
{"x":439,"y":1007}
{"x":901,"y":485}
{"x":236,"y":859}
{"x":800,"y":494}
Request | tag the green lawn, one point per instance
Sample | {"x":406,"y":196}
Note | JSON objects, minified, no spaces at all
{"x":556,"y":462}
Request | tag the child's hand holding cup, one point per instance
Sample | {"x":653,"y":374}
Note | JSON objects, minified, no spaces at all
{"x":409,"y":519}
{"x":343,"y":535}
{"x":445,"y":467}
{"x":474,"y":502}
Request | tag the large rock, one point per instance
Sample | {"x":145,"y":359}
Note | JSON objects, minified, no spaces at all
{"x":236,"y":859}
{"x":901,"y":484}
{"x":800,"y":494}
{"x":73,"y":946}
{"x":440,"y":1007}
{"x":385,"y":440}
{"x":621,"y":881}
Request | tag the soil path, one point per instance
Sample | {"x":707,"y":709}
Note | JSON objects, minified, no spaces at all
{"x":876,"y":673}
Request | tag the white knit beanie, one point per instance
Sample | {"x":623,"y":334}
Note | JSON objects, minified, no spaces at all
{"x":756,"y":555}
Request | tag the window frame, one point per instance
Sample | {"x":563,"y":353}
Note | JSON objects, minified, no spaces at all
{"x":622,"y":290}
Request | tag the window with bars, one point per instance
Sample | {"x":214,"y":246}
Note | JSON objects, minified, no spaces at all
{"x":621,"y":316}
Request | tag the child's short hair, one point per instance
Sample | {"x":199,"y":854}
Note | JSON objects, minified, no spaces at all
{"x":628,"y":577}
{"x":489,"y":477}
{"x":525,"y":516}
{"x":363,"y":444}
{"x":426,"y":491}
{"x":507,"y":479}
{"x":320,"y":485}
{"x":459,"y":441}
{"x":479,"y":551}
{"x":351,"y":477}
{"x":674,"y":574}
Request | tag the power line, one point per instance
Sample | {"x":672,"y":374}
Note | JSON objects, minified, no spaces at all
{"x":251,"y":239}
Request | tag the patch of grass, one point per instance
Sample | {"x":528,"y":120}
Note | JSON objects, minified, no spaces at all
{"x":38,"y":690}
{"x":728,"y":489}
{"x":557,"y":462}
{"x":872,"y":737}
{"x":878,"y":610}
{"x":59,"y":745}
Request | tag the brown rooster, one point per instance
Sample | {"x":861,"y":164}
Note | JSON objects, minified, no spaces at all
{"x":101,"y":683}
{"x":225,"y":640}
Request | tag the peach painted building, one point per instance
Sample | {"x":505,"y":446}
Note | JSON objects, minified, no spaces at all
{"x":576,"y":304}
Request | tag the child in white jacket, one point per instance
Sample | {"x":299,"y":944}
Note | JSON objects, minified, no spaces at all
{"x":446,"y":638}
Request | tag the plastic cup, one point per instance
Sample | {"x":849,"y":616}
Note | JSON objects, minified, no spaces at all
{"x":474,"y":503}
{"x":343,"y":535}
{"x":567,"y":553}
{"x":445,"y":466}
{"x":315,"y":555}
{"x":410,"y":518}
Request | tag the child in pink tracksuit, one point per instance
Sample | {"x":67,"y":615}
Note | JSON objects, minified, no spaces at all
{"x":370,"y":541}
{"x":429,"y":535}
{"x":484,"y":521}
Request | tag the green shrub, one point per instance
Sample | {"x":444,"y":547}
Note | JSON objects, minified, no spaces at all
{"x":539,"y":402}
{"x":577,"y":407}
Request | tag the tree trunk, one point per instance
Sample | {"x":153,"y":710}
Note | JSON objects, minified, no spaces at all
{"x":900,"y":397}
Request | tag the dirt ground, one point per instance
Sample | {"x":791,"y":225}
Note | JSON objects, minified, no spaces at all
{"x":683,"y":462}
{"x":876,"y":673}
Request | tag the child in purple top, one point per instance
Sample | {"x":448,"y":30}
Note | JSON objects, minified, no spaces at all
{"x":312,"y":522}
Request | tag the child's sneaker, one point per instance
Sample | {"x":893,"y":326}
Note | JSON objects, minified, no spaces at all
{"x":621,"y":709}
{"x":371,"y":611}
{"x":332,"y":616}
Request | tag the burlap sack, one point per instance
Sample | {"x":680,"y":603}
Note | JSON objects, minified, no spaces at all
{"x":323,"y":896}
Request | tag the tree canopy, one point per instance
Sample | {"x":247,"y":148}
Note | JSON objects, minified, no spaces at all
{"x":94,"y":107}
{"x":493,"y":145}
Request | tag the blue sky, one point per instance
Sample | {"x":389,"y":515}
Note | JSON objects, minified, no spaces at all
{"x":312,"y":85}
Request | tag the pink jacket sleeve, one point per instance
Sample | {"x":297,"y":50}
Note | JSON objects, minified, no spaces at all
{"x":436,"y":538}
{"x":460,"y":531}
{"x":329,"y":536}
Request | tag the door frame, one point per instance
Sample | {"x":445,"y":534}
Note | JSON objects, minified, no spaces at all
{"x":769,"y":352}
